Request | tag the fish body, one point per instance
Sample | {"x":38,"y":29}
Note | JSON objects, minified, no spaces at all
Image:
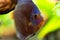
{"x":27,"y":17}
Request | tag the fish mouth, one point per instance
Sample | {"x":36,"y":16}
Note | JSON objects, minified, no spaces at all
{"x":53,"y":35}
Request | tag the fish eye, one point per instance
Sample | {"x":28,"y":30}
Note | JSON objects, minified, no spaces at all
{"x":35,"y":16}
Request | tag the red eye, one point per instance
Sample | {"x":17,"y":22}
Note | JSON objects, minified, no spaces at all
{"x":35,"y":16}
